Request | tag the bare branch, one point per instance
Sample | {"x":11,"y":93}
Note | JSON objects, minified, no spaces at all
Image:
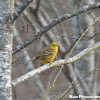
{"x":54,"y":64}
{"x":78,"y":82}
{"x":71,"y":75}
{"x":52,"y":37}
{"x":19,"y":11}
{"x":53,"y":23}
{"x":37,"y":6}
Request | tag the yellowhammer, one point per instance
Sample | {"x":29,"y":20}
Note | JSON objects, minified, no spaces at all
{"x":47,"y":55}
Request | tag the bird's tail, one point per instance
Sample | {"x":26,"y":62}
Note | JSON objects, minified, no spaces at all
{"x":33,"y":59}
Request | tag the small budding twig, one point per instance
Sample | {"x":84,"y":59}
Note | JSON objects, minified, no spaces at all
{"x":52,"y":24}
{"x":53,"y":84}
{"x":66,"y":91}
{"x":78,"y":82}
{"x":96,"y":20}
{"x":18,"y":57}
{"x":55,"y":64}
{"x":68,"y":87}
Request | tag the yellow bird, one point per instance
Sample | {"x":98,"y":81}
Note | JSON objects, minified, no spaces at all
{"x":47,"y":55}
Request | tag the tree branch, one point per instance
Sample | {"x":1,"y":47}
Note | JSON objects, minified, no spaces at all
{"x":54,"y":64}
{"x":19,"y":11}
{"x":53,"y":23}
{"x":37,"y":6}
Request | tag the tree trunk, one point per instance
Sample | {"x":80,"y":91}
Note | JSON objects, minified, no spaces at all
{"x":6,"y":8}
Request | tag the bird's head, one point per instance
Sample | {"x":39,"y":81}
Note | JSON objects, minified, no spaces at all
{"x":54,"y":45}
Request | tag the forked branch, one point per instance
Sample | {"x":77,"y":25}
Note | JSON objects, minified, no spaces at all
{"x":55,"y":64}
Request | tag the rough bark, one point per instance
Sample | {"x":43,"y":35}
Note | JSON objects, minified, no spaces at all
{"x":6,"y":8}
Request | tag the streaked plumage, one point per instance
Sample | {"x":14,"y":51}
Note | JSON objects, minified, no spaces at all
{"x":47,"y":55}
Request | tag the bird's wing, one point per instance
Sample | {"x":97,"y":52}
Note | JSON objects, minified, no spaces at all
{"x":45,"y":52}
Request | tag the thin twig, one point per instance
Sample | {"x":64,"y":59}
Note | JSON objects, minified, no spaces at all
{"x":53,"y":23}
{"x":19,"y":11}
{"x":37,"y":6}
{"x":79,"y":82}
{"x":54,"y":64}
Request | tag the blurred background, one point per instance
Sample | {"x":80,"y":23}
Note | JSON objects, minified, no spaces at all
{"x":39,"y":14}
